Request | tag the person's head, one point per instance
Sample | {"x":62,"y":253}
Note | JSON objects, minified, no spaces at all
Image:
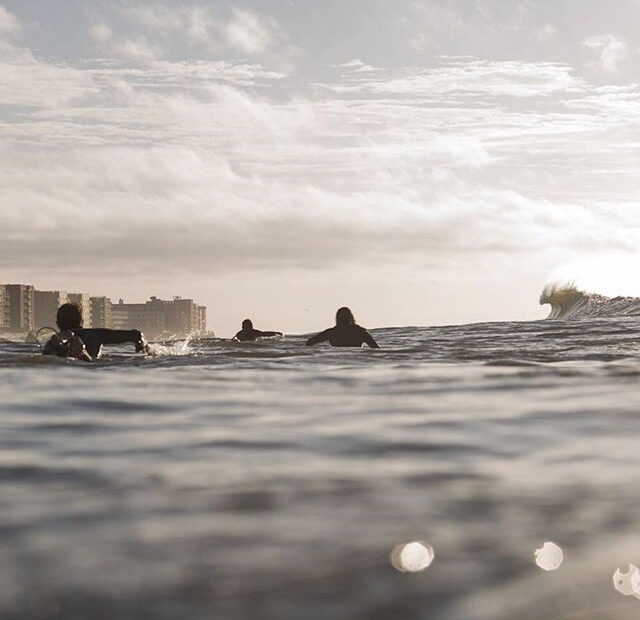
{"x":69,"y":316}
{"x":247,"y":324}
{"x":344,"y":316}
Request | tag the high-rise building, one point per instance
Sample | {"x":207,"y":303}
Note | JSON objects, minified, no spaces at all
{"x":46,"y":304}
{"x":160,"y":317}
{"x":23,"y":309}
{"x":84,"y":302}
{"x":101,"y":312}
{"x":4,"y":308}
{"x":202,"y":319}
{"x":181,"y":315}
{"x":150,"y":321}
{"x":20,"y":307}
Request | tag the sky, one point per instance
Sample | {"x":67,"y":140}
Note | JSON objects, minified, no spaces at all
{"x":423,"y":162}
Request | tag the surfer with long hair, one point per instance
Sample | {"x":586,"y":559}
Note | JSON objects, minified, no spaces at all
{"x":346,"y":333}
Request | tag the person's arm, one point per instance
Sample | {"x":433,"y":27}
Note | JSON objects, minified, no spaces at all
{"x":95,"y":337}
{"x":368,"y":338}
{"x":268,"y":334}
{"x":321,"y":337}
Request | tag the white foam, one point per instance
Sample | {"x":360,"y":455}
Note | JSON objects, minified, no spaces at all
{"x":180,"y":347}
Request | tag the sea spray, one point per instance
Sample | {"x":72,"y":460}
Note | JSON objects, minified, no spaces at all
{"x":178,"y":347}
{"x":569,"y":302}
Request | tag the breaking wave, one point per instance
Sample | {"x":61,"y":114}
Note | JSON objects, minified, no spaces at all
{"x":569,"y":302}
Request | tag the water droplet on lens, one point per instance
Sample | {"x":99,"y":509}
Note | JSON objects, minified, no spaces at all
{"x":412,"y":557}
{"x":549,"y":556}
{"x":627,"y":583}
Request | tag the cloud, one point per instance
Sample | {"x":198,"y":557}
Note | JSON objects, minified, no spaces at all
{"x":429,"y":24}
{"x":137,"y":48}
{"x":148,"y":31}
{"x":465,"y":76}
{"x":187,"y":204}
{"x":30,"y":82}
{"x":610,"y":49}
{"x":8,"y":22}
{"x":250,"y":33}
{"x":547,"y":33}
{"x":219,"y":167}
{"x":197,"y":23}
{"x":356,"y":65}
{"x":101,"y":33}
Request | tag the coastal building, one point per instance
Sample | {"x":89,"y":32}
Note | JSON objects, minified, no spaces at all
{"x":202,"y":319}
{"x":101,"y":312}
{"x":138,"y":316}
{"x":19,"y":307}
{"x":23,"y":309}
{"x":45,"y":307}
{"x":4,"y":308}
{"x":161,"y":317}
{"x":181,"y":315}
{"x":84,"y":302}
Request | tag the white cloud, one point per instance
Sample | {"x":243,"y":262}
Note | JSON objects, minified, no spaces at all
{"x":196,"y":22}
{"x":547,"y":33}
{"x":101,"y":33}
{"x":610,"y":49}
{"x":160,"y":30}
{"x":8,"y":22}
{"x":357,"y":66}
{"x":159,"y":16}
{"x":30,"y":82}
{"x":251,"y":33}
{"x":137,"y":48}
{"x":247,"y":177}
{"x":208,"y":167}
{"x":467,"y":75}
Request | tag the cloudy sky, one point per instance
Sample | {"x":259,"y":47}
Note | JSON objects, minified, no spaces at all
{"x":423,"y":162}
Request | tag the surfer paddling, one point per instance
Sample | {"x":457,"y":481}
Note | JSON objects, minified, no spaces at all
{"x":73,"y":340}
{"x":249,"y":333}
{"x":346,"y":333}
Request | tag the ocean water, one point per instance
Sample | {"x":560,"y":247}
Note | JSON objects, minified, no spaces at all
{"x":220,"y":480}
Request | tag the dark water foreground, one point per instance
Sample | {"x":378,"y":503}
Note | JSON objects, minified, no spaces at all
{"x":270,"y":481}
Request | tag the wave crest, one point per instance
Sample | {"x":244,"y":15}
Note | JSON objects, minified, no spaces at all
{"x":569,"y":302}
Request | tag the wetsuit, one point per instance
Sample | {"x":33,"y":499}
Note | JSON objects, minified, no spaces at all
{"x":251,"y":334}
{"x":344,"y":336}
{"x":94,"y":338}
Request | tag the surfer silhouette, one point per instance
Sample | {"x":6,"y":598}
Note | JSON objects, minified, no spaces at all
{"x":346,"y":333}
{"x":73,"y":340}
{"x":249,"y":333}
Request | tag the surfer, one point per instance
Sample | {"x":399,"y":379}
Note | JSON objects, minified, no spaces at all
{"x":346,"y":333}
{"x":248,"y":333}
{"x":73,"y":340}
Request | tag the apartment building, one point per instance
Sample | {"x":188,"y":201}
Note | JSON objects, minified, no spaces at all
{"x":161,"y":317}
{"x":138,"y":316}
{"x":84,"y":302}
{"x":4,"y":308}
{"x":20,"y":307}
{"x":202,"y":319}
{"x":101,"y":312}
{"x":46,"y":304}
{"x":23,"y":309}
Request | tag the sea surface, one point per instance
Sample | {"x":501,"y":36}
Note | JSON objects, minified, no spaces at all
{"x":270,"y":481}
